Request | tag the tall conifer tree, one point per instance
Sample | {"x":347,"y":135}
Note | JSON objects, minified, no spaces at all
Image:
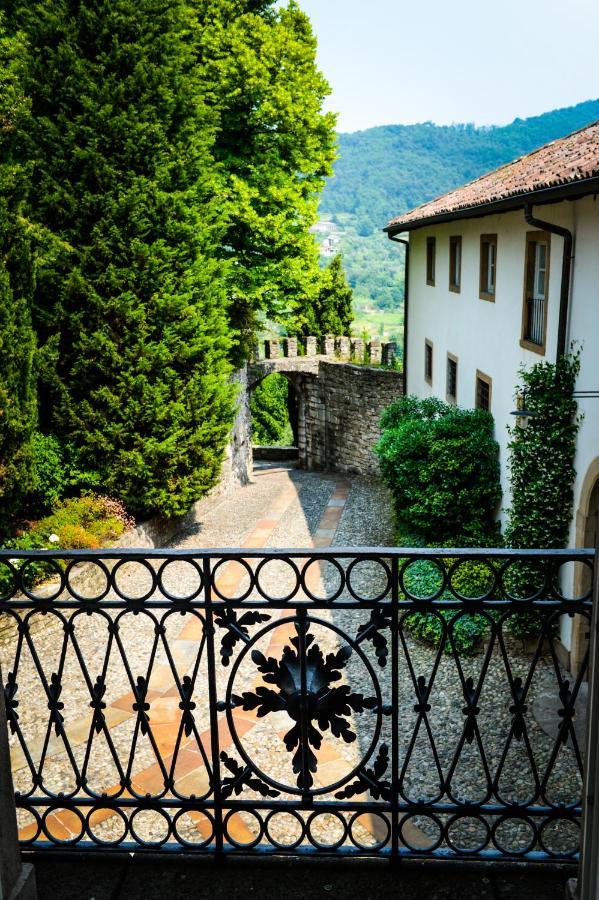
{"x":132,"y":318}
{"x":17,"y":385}
{"x":332,"y":310}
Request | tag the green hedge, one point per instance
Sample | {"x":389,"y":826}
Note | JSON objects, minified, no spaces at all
{"x":542,"y":469}
{"x":442,"y":468}
{"x":441,"y":464}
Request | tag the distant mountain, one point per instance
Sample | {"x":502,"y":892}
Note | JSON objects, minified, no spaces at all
{"x":383,"y":171}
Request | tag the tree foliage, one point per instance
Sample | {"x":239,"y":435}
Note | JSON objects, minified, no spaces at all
{"x":131,"y":316}
{"x":441,"y":464}
{"x":269,"y":406}
{"x":17,"y":383}
{"x":331,"y":311}
{"x":274,"y":146}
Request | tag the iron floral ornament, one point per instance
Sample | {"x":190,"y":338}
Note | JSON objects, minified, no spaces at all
{"x":305,"y":681}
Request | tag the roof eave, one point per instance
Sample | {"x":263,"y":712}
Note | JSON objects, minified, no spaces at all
{"x":572,"y":190}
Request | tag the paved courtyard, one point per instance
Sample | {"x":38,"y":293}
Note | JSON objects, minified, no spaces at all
{"x":286,"y":508}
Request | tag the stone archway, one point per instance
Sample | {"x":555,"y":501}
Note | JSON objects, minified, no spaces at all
{"x":295,"y":405}
{"x":587,"y":535}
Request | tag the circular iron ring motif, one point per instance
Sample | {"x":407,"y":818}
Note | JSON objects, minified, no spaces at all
{"x":188,"y":597}
{"x":365,"y":559}
{"x":536,"y":565}
{"x":293,"y":788}
{"x":520,"y":819}
{"x":138,"y":561}
{"x":294,"y":570}
{"x":454,"y":568}
{"x":245,"y":565}
{"x":56,"y":570}
{"x":97,"y":563}
{"x":14,"y":576}
{"x":342,"y":579}
{"x":437,"y":564}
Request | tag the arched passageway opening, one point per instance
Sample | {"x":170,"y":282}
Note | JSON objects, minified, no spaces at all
{"x":274,"y":411}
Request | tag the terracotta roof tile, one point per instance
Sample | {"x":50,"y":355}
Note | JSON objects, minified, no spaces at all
{"x":565,"y":161}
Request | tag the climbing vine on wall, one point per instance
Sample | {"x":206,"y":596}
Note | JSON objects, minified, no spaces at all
{"x":542,"y":456}
{"x":542,"y":469}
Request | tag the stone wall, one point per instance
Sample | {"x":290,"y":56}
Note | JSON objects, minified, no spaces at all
{"x":339,"y":414}
{"x":339,"y":402}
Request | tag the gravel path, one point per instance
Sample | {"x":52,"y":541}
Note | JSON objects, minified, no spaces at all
{"x":286,"y":508}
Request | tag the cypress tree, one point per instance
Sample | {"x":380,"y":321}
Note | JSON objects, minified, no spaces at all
{"x":17,"y":385}
{"x":333,"y":307}
{"x":132,"y":316}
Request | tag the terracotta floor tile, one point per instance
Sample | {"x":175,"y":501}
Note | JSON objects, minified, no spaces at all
{"x":28,"y":831}
{"x":165,"y":710}
{"x":196,"y":782}
{"x":327,"y":753}
{"x":161,"y":678}
{"x":57,"y":830}
{"x":149,"y":781}
{"x":127,"y":700}
{"x":165,"y":737}
{"x":238,"y":830}
{"x":202,"y":823}
{"x":192,"y":630}
{"x":333,"y":771}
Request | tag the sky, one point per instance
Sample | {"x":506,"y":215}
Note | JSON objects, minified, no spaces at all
{"x":405,"y":61}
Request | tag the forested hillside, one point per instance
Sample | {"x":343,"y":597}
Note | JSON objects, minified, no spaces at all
{"x":383,"y":171}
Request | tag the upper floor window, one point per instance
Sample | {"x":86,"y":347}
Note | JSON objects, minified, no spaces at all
{"x":483,"y":391}
{"x":431,"y":252}
{"x":428,"y":361}
{"x":488,"y":266}
{"x":455,"y":263}
{"x":452,"y":378}
{"x":536,"y":291}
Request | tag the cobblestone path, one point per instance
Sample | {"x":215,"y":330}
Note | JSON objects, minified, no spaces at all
{"x":281,"y":508}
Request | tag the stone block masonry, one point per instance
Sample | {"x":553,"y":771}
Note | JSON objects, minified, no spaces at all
{"x":339,"y":403}
{"x":339,"y":415}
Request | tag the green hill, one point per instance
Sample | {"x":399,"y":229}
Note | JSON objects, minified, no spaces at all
{"x":383,"y":171}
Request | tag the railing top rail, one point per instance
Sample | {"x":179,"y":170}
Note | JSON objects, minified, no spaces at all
{"x":569,"y":554}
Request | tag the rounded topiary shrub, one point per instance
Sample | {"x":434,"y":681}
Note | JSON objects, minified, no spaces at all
{"x":441,"y":464}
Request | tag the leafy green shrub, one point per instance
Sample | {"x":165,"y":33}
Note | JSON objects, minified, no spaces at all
{"x":89,"y":521}
{"x":542,"y":482}
{"x":441,"y":465}
{"x":80,"y":523}
{"x":49,"y":471}
{"x":471,"y":579}
{"x":270,"y":412}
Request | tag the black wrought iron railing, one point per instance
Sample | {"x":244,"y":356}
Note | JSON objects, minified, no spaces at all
{"x":368,"y":702}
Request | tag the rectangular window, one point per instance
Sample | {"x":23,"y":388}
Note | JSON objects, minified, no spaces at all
{"x":431,"y":252}
{"x":428,"y":361}
{"x":488,"y":266}
{"x":536,"y":291}
{"x":483,"y":391}
{"x":452,"y":378}
{"x":455,"y":263}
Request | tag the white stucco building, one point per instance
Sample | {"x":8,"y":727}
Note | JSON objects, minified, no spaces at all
{"x":504,"y":272}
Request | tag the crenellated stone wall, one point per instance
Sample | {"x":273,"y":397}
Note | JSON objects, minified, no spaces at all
{"x":339,"y":403}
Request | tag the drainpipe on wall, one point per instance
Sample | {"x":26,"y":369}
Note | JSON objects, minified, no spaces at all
{"x":406,"y":291}
{"x":567,"y":258}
